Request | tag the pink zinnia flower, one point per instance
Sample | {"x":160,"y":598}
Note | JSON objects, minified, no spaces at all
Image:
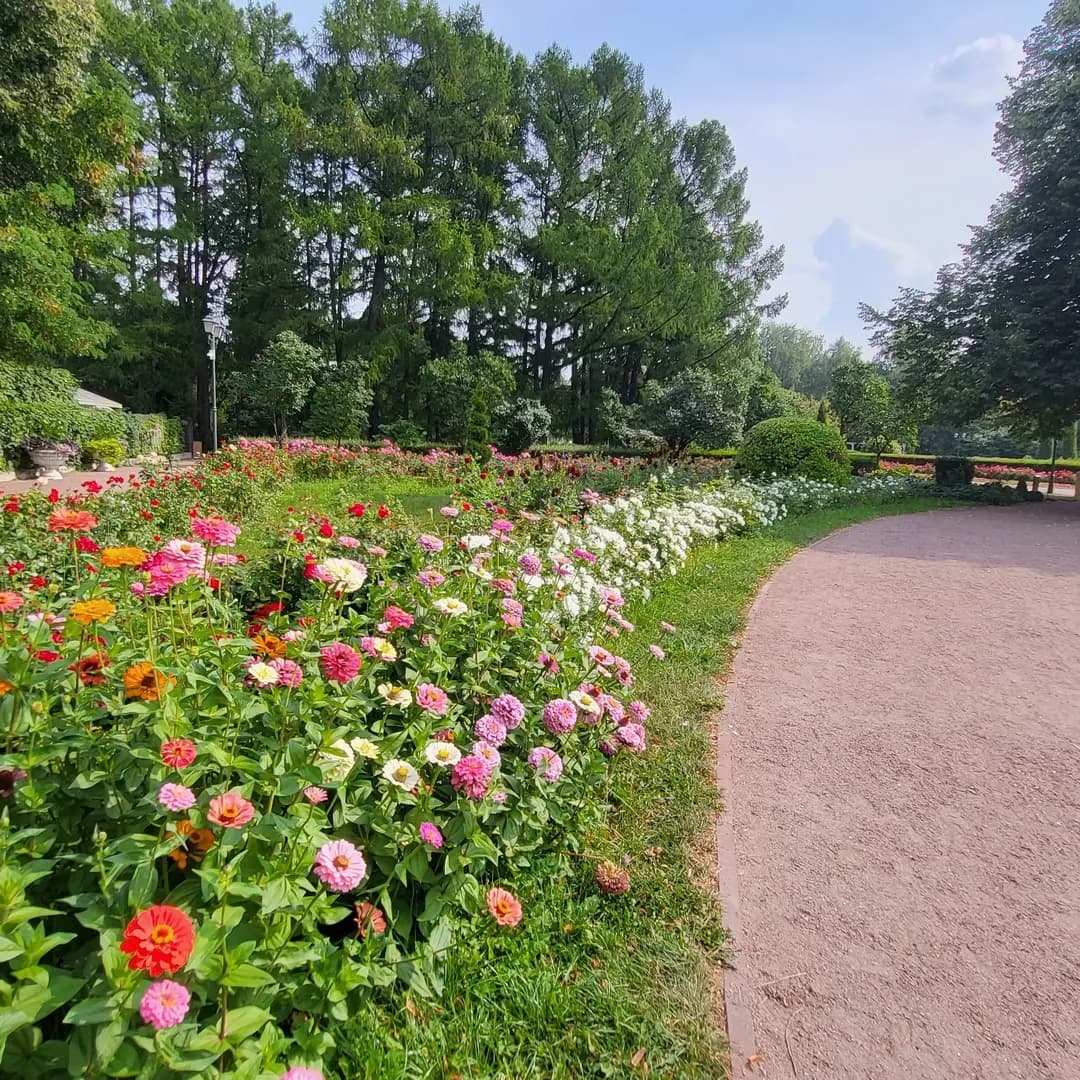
{"x":215,"y":531}
{"x":486,"y":752}
{"x":530,"y":564}
{"x":188,"y":552}
{"x":431,"y":544}
{"x":430,"y":578}
{"x":340,"y":866}
{"x":178,"y":753}
{"x":430,"y":834}
{"x":504,"y":906}
{"x":657,"y":652}
{"x":548,"y":663}
{"x":639,"y":711}
{"x":348,"y":541}
{"x":224,"y":558}
{"x":165,"y":1004}
{"x":631,"y":736}
{"x":490,"y":730}
{"x":503,"y":585}
{"x":339,"y":663}
{"x":669,"y":627}
{"x":290,"y":673}
{"x":512,"y":612}
{"x":613,"y":707}
{"x":433,"y":700}
{"x":588,"y":556}
{"x":230,"y":811}
{"x":375,"y":550}
{"x":600,"y":656}
{"x":176,"y":797}
{"x":550,"y":761}
{"x":508,"y":711}
{"x":301,"y":1072}
{"x":560,"y":716}
{"x":611,"y":598}
{"x":315,"y":795}
{"x":397,"y":619}
{"x":501,"y":525}
{"x":472,"y":775}
{"x":449,"y":511}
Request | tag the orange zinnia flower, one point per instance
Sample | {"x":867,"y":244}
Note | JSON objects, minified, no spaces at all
{"x":91,"y":669}
{"x":112,"y":557}
{"x":158,"y":940}
{"x":5,"y":687}
{"x":67,"y":520}
{"x":197,"y":842}
{"x":269,"y":645}
{"x":90,"y":611}
{"x":144,"y":682}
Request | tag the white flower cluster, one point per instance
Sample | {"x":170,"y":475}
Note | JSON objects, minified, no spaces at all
{"x":637,"y":537}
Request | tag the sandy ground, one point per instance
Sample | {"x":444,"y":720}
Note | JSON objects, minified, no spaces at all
{"x":73,"y":481}
{"x":905,"y":729}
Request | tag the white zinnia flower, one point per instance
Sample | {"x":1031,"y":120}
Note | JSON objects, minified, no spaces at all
{"x":442,"y":753}
{"x":401,"y":774}
{"x":450,"y":606}
{"x":347,"y":575}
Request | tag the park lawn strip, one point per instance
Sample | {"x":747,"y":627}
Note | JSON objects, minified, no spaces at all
{"x":597,"y":987}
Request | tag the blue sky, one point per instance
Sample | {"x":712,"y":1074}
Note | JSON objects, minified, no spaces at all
{"x":866,"y":125}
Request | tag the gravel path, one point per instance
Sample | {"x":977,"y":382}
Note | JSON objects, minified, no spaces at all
{"x":904,"y":722}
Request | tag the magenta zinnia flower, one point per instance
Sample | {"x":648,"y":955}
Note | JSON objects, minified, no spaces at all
{"x":508,"y":710}
{"x":560,"y":716}
{"x":430,"y":578}
{"x":639,"y":711}
{"x":546,"y":758}
{"x":165,"y":1004}
{"x":430,"y":834}
{"x":631,"y":736}
{"x":431,"y":544}
{"x":530,"y":564}
{"x":471,"y":774}
{"x":340,"y":866}
{"x":339,"y":663}
{"x":176,"y":797}
{"x":290,"y":673}
{"x":490,"y":730}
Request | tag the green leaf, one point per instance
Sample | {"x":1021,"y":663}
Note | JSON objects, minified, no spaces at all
{"x":244,"y":1021}
{"x":246,"y":975}
{"x":91,"y":1011}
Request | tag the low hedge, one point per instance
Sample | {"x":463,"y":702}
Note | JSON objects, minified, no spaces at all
{"x":860,"y":457}
{"x":139,"y":433}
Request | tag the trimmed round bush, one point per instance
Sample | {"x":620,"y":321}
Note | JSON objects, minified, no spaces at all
{"x":795,"y":446}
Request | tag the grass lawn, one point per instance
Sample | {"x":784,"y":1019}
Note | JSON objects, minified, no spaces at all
{"x":591,"y":987}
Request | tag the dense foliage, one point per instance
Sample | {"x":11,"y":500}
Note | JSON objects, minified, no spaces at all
{"x":1000,"y":331}
{"x":399,"y":190}
{"x":792,"y":446}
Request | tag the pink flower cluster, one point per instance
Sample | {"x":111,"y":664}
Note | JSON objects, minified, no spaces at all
{"x":472,"y":775}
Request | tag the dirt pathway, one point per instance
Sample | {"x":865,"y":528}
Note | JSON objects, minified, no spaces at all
{"x":904,"y":724}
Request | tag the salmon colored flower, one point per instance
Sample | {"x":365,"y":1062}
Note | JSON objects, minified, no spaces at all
{"x":9,"y":602}
{"x":115,"y":557}
{"x":158,"y":940}
{"x":504,"y":906}
{"x":230,"y":811}
{"x":178,"y":753}
{"x":67,"y":520}
{"x":91,"y":611}
{"x":144,"y":682}
{"x":369,"y":919}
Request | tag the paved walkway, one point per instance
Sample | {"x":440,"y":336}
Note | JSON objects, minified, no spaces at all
{"x":904,"y":725}
{"x":73,"y":481}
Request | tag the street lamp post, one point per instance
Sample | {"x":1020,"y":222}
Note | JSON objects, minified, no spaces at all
{"x":216,"y":328}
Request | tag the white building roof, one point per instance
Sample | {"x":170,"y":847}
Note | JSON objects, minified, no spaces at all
{"x":95,"y":401}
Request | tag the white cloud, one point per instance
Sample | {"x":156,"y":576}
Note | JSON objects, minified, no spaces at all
{"x":973,"y":76}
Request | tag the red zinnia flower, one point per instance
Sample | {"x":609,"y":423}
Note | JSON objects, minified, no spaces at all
{"x":178,"y":753}
{"x":158,"y":940}
{"x":326,"y":529}
{"x":90,"y":669}
{"x":357,"y":510}
{"x":383,"y":513}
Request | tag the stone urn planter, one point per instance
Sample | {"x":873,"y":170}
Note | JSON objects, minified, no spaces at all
{"x":48,"y":459}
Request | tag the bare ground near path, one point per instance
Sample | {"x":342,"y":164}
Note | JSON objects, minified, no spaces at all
{"x":904,"y":725}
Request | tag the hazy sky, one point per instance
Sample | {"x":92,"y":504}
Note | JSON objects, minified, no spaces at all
{"x":866,"y":126}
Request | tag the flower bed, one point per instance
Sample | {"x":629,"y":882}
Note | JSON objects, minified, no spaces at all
{"x":238,"y":798}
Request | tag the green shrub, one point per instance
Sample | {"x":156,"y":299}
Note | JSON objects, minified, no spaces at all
{"x":36,"y":384}
{"x":72,"y":423}
{"x":403,"y":432}
{"x":110,"y":451}
{"x":950,"y":472}
{"x":795,"y":446}
{"x":521,"y":423}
